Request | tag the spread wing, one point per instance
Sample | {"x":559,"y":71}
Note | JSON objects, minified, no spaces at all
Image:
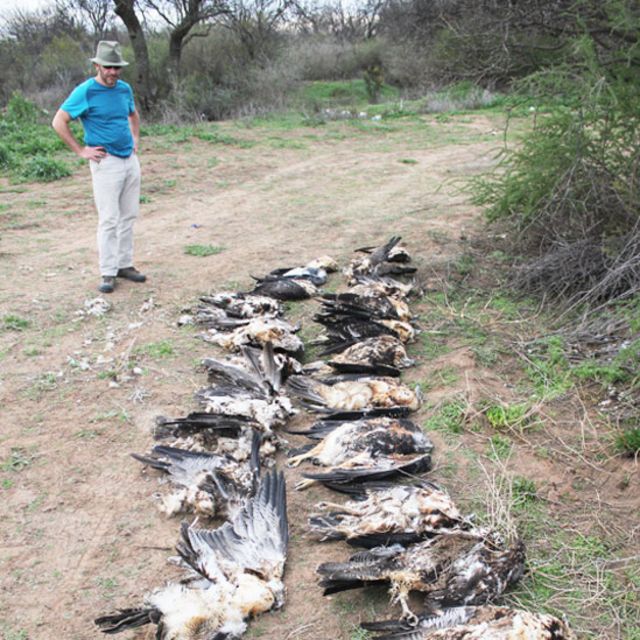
{"x":255,"y":540}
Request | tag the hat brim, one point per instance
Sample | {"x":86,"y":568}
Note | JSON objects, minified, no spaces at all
{"x":106,"y":63}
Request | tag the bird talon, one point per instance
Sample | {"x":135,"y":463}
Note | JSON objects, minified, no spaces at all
{"x":410,"y":618}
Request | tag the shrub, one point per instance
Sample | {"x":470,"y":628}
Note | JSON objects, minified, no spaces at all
{"x":570,"y":193}
{"x":20,"y":110}
{"x":43,"y":170}
{"x":628,"y":442}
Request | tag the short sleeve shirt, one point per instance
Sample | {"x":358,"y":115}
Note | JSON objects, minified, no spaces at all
{"x":104,"y":113}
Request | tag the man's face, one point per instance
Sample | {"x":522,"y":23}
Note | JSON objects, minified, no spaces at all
{"x":108,"y":76}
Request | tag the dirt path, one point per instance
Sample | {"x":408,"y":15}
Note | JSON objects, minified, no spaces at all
{"x":80,"y":533}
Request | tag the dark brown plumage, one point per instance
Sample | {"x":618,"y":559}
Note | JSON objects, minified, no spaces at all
{"x":354,"y":394}
{"x":389,"y":514}
{"x":354,"y":451}
{"x":476,"y":623}
{"x":455,"y":569}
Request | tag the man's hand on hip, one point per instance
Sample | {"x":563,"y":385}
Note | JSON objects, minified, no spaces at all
{"x":93,"y":153}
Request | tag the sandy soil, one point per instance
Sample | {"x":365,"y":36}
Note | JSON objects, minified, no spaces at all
{"x":80,"y":534}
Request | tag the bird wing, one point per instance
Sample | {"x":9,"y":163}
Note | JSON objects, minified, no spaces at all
{"x":265,"y":367}
{"x":381,"y":467}
{"x":185,"y":467}
{"x":255,"y":540}
{"x":286,"y":289}
{"x":402,"y":630}
{"x":230,"y":374}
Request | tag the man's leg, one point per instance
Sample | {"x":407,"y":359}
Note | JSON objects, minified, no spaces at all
{"x":129,"y":205}
{"x":108,"y":177}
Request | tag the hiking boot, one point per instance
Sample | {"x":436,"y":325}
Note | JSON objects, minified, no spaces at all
{"x":131,"y":273}
{"x":108,"y":284}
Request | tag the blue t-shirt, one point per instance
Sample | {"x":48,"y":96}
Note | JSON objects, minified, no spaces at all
{"x":104,"y":113}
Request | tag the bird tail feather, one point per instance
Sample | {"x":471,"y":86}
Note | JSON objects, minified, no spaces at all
{"x":127,"y":619}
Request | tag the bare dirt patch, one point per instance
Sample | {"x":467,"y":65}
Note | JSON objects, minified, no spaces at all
{"x":80,"y":533}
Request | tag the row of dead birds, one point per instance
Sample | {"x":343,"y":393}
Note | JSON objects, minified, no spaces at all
{"x":413,"y":536}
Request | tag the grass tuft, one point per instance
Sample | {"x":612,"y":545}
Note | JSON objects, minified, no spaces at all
{"x":202,"y":250}
{"x":12,"y":322}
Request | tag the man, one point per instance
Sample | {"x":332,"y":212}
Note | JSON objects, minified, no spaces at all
{"x":111,"y":124}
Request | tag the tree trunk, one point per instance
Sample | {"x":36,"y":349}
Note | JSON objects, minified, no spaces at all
{"x":125,"y":10}
{"x":176,"y":42}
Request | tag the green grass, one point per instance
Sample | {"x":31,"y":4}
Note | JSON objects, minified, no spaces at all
{"x":18,"y":459}
{"x":9,"y":633}
{"x":548,"y":368}
{"x":505,"y":417}
{"x":157,"y":350}
{"x":119,"y":415}
{"x":449,"y":418}
{"x":202,"y":250}
{"x":327,"y":94}
{"x":12,"y":322}
{"x":181,"y":134}
{"x":442,"y":377}
{"x":627,"y":442}
{"x":499,"y":447}
{"x":523,"y":491}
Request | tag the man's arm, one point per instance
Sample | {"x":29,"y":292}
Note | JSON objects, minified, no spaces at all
{"x":61,"y":125}
{"x":134,"y":123}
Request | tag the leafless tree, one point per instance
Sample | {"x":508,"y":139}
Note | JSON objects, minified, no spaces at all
{"x":255,"y":22}
{"x":182,"y":18}
{"x":347,"y":22}
{"x":98,"y":14}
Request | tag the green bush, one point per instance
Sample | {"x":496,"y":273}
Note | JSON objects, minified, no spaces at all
{"x":628,"y":442}
{"x":20,"y":110}
{"x":43,"y":170}
{"x":28,"y":147}
{"x":5,"y":156}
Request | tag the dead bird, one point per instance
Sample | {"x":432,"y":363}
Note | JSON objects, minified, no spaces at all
{"x":267,"y":412}
{"x":235,"y":573}
{"x":204,"y":483}
{"x":340,"y":440}
{"x":364,"y":285}
{"x":243,"y":305}
{"x":373,"y":306}
{"x":364,"y":467}
{"x":462,"y":568}
{"x":260,"y":371}
{"x":347,"y":331}
{"x":383,"y":350}
{"x":228,"y":435}
{"x":361,"y":450}
{"x":233,"y":334}
{"x":355,"y":394}
{"x":374,"y":257}
{"x":397,"y":253}
{"x":388,"y":513}
{"x":284,"y":288}
{"x":313,"y":272}
{"x":475,"y":623}
{"x":377,"y":356}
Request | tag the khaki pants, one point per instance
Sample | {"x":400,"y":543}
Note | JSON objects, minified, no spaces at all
{"x":116,"y":191}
